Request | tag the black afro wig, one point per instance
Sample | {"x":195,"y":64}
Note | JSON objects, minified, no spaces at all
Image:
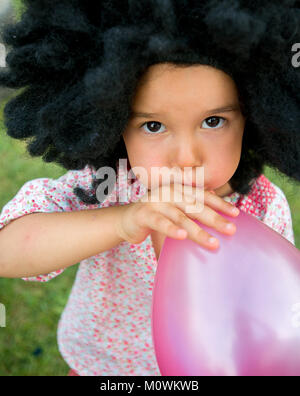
{"x":80,"y":61}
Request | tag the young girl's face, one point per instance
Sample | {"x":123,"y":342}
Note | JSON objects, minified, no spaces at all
{"x":194,"y":120}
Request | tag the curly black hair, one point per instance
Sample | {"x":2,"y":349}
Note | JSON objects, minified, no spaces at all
{"x":80,"y":63}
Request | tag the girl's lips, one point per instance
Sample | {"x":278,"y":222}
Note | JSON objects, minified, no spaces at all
{"x":191,"y":184}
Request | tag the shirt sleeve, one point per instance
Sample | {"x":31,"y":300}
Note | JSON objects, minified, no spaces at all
{"x":46,"y":195}
{"x":279,"y":216}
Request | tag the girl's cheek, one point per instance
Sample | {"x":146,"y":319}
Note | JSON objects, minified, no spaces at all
{"x":221,"y":169}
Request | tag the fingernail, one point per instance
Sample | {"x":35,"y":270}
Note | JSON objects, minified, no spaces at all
{"x":212,"y":241}
{"x":235,"y":211}
{"x":230,"y":227}
{"x":181,"y":233}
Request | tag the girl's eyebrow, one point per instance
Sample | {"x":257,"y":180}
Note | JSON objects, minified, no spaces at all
{"x":224,"y":109}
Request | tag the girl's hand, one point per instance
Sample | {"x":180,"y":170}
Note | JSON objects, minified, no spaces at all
{"x":171,"y":218}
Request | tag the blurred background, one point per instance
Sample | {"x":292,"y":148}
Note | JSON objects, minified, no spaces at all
{"x":28,"y":345}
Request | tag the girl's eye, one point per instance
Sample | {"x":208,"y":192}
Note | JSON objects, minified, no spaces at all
{"x":213,"y":122}
{"x":153,"y":126}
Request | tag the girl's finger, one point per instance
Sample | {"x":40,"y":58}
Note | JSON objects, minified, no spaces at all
{"x":210,"y":198}
{"x":217,"y":203}
{"x":206,"y":215}
{"x":210,"y":218}
{"x":159,"y":222}
{"x":194,"y":232}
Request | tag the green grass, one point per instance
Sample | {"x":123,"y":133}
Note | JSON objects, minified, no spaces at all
{"x":33,"y":309}
{"x":28,"y":345}
{"x":19,"y":7}
{"x":291,"y":190}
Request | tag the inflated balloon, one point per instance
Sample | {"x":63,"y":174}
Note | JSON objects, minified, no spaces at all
{"x":230,"y":312}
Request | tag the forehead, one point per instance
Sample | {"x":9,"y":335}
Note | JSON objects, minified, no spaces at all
{"x":167,"y":84}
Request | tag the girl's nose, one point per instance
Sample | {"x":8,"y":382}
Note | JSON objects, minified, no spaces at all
{"x":187,"y":153}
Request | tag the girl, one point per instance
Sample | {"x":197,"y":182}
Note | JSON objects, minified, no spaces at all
{"x":180,"y":83}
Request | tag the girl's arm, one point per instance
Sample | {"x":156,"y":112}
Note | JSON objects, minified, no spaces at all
{"x":41,"y":243}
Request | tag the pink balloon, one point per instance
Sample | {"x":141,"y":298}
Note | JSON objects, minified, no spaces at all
{"x":232,"y":312}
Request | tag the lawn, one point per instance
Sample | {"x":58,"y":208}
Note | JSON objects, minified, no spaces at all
{"x":28,"y":345}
